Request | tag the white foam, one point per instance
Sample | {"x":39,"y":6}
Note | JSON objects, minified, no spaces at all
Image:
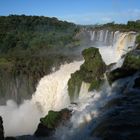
{"x":51,"y":94}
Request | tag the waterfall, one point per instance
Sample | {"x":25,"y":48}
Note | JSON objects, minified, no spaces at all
{"x":110,"y":38}
{"x":106,"y":36}
{"x":101,"y":35}
{"x":116,"y":36}
{"x":53,"y":88}
{"x":125,"y":42}
{"x":92,"y":34}
{"x":51,"y":94}
{"x":84,"y":90}
{"x":113,"y":45}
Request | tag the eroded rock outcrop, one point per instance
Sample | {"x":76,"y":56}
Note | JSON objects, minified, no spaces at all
{"x":1,"y":129}
{"x":130,"y":66}
{"x":53,"y":120}
{"x":137,"y":83}
{"x":91,"y":71}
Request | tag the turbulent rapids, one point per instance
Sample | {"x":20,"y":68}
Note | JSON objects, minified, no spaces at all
{"x":52,"y":94}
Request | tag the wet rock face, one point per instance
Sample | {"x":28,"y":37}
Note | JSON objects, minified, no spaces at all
{"x":90,"y":72}
{"x":138,"y":47}
{"x":10,"y":138}
{"x":1,"y":129}
{"x":132,"y":60}
{"x":130,"y":66}
{"x":119,"y":73}
{"x":43,"y":131}
{"x":53,"y":120}
{"x":137,"y":83}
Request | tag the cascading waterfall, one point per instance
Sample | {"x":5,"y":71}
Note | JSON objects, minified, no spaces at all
{"x":51,"y":94}
{"x":116,"y":36}
{"x":53,"y":88}
{"x":126,"y":41}
{"x":106,"y":35}
{"x":110,"y":38}
{"x":101,"y":35}
{"x":113,"y":45}
{"x":92,"y":34}
{"x":84,"y":90}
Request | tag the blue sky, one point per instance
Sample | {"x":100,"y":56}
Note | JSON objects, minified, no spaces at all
{"x":78,"y":11}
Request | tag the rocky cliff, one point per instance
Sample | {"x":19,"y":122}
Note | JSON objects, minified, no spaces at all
{"x":1,"y":129}
{"x":91,"y":71}
{"x":50,"y":122}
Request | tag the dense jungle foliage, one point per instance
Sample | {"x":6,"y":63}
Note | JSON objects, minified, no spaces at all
{"x":26,"y":39}
{"x":19,"y":34}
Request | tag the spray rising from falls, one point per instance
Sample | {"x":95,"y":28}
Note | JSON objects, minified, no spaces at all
{"x":93,"y":108}
{"x":51,"y":94}
{"x":86,"y":110}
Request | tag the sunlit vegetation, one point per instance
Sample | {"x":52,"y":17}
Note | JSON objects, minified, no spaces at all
{"x":20,"y":34}
{"x":31,"y":45}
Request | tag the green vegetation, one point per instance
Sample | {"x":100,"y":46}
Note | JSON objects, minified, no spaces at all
{"x":138,"y":41}
{"x":95,"y":84}
{"x":21,"y":74}
{"x":54,"y":118}
{"x":130,"y":66}
{"x":19,"y":34}
{"x":51,"y":119}
{"x":118,"y":74}
{"x":29,"y":47}
{"x":5,"y":64}
{"x":25,"y":37}
{"x":90,"y":72}
{"x":130,"y":26}
{"x":132,"y":60}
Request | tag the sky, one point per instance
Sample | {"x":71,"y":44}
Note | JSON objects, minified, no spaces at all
{"x":77,"y":11}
